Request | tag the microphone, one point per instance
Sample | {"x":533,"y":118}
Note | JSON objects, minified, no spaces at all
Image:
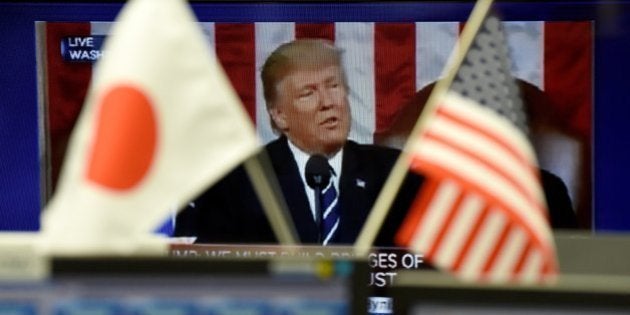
{"x":317,"y":173}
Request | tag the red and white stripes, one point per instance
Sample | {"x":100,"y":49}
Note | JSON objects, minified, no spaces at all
{"x":386,"y":63}
{"x":482,"y":214}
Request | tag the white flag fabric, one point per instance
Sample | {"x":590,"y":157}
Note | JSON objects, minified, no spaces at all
{"x":160,"y":124}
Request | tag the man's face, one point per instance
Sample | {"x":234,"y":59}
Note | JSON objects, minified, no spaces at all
{"x":312,"y":110}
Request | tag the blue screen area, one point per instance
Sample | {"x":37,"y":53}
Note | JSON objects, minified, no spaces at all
{"x":20,"y":162}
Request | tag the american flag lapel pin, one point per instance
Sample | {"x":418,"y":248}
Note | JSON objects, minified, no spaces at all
{"x":360,"y":183}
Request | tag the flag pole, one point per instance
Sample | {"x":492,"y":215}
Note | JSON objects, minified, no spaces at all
{"x":397,"y":175}
{"x":268,"y":192}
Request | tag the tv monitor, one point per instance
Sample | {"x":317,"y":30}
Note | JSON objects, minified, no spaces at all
{"x":392,"y":54}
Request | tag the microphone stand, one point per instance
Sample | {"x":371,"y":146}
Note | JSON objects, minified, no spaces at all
{"x":317,"y":175}
{"x":319,"y":213}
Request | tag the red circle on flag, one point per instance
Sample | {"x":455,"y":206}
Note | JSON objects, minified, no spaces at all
{"x":125,"y":138}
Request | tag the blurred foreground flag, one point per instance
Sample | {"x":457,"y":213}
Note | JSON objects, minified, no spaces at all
{"x":481,"y":213}
{"x":160,"y":123}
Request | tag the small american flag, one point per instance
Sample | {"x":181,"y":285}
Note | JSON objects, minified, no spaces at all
{"x":481,"y":213}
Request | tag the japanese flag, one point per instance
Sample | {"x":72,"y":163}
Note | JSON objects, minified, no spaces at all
{"x":161,"y":123}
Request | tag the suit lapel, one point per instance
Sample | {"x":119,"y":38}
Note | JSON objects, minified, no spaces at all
{"x":355,"y":198}
{"x":290,"y":181}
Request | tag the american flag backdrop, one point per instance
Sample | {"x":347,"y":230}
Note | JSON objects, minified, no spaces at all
{"x":386,"y":63}
{"x":482,"y":214}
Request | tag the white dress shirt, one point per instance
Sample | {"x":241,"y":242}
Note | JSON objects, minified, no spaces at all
{"x":301,"y":158}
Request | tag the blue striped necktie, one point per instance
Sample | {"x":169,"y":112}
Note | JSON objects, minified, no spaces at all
{"x":331,"y":211}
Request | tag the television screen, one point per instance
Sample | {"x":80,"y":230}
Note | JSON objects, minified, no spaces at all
{"x":391,"y":62}
{"x":392,"y":55}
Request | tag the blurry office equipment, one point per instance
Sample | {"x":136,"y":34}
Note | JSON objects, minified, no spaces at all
{"x":165,"y":285}
{"x":595,"y":279}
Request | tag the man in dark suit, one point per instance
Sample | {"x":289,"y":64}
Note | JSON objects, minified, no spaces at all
{"x":306,"y":93}
{"x":307,"y":99}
